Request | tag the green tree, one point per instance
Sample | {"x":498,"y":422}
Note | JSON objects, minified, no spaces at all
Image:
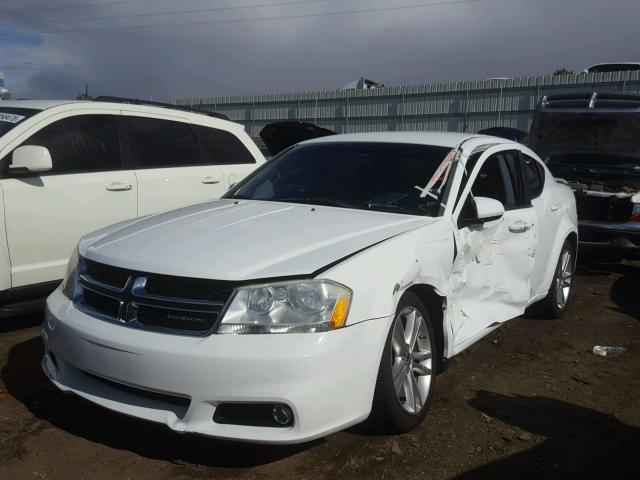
{"x":563,"y":71}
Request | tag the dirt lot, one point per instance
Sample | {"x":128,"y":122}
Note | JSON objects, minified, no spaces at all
{"x":529,"y":401}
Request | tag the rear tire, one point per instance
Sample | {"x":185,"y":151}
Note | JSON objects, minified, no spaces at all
{"x":407,"y":372}
{"x":555,"y":303}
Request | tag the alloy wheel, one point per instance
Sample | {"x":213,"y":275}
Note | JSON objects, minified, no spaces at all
{"x":564,"y":278}
{"x":411,"y":358}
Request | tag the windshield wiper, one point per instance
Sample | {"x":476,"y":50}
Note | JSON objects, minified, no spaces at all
{"x":315,"y":201}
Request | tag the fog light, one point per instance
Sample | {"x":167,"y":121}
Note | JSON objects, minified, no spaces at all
{"x":282,"y":415}
{"x":50,"y":320}
{"x":51,"y":365}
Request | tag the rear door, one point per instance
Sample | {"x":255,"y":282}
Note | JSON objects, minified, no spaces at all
{"x":88,"y":188}
{"x":169,"y":167}
{"x":224,"y":149}
{"x":547,"y":212}
{"x":495,"y":261}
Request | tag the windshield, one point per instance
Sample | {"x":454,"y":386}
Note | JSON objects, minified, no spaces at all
{"x":363,"y":175}
{"x":619,"y":172}
{"x":10,"y":117}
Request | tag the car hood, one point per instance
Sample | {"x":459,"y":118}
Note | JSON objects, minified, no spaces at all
{"x":244,"y":239}
{"x":280,"y":135}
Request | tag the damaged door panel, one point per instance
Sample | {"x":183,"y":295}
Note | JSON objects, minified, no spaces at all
{"x":491,"y":280}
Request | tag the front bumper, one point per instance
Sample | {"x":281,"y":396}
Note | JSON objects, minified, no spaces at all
{"x":604,"y":238}
{"x":327,"y":379}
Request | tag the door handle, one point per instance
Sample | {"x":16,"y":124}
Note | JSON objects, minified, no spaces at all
{"x":555,"y":207}
{"x":520,"y":227}
{"x":210,"y":180}
{"x":118,"y":187}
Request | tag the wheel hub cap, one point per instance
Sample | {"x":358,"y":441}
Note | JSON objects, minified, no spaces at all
{"x":564,"y":278}
{"x":411,"y":359}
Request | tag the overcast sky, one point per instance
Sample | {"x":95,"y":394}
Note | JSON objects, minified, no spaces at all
{"x":228,"y":49}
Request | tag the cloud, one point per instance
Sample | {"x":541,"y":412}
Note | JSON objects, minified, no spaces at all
{"x":482,"y":39}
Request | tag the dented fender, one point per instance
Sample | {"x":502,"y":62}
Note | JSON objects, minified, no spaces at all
{"x":380,"y":275}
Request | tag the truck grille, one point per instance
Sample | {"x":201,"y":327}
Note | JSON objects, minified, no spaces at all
{"x":150,"y":301}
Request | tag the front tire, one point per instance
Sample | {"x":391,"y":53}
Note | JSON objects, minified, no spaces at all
{"x":406,"y":376}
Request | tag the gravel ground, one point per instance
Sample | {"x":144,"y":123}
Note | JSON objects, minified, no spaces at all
{"x":529,"y":401}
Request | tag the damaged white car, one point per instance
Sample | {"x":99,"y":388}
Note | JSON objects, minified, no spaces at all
{"x":331,"y":285}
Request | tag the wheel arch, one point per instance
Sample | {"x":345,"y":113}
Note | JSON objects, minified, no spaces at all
{"x":435,"y":305}
{"x":573,"y":238}
{"x":566,"y":232}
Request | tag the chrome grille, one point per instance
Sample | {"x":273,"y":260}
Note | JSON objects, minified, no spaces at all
{"x":106,"y":274}
{"x":150,"y":301}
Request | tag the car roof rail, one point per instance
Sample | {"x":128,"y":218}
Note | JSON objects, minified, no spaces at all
{"x":150,"y":103}
{"x":590,"y":103}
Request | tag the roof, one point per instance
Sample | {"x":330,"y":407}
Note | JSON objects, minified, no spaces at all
{"x":37,"y":104}
{"x":613,"y":64}
{"x":590,"y":103}
{"x":123,"y":104}
{"x":439,"y":139}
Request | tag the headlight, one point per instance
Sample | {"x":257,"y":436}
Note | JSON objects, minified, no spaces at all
{"x":287,"y":307}
{"x":71,"y":278}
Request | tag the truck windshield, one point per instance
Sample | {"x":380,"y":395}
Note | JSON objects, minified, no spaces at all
{"x":10,"y":117}
{"x":377,"y":176}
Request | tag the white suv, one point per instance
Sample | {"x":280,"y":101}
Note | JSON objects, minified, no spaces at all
{"x":71,"y":167}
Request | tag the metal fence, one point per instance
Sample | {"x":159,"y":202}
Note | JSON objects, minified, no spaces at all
{"x":459,"y":106}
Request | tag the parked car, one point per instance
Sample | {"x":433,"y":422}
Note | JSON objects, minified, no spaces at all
{"x":613,"y":67}
{"x":68,"y":168}
{"x":592,"y":141}
{"x":333,"y":283}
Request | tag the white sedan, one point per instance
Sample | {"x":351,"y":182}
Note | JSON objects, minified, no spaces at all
{"x":330,"y":286}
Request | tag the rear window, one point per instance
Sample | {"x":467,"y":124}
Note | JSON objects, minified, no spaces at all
{"x":163,"y":143}
{"x":222,"y":148}
{"x":533,"y":176}
{"x":11,"y":117}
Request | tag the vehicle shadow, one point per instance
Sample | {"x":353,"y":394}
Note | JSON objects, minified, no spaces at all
{"x":24,"y":380}
{"x":18,"y":323}
{"x":624,"y":291}
{"x":579,"y":442}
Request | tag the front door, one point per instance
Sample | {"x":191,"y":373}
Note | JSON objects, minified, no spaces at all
{"x":87,"y":189}
{"x":495,"y":261}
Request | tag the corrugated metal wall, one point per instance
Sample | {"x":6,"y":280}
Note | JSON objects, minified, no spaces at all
{"x":458,"y":106}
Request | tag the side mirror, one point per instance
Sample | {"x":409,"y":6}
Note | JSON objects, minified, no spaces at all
{"x":30,"y":158}
{"x":488,"y":209}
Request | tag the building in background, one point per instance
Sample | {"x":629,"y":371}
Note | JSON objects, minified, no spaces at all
{"x":4,"y":93}
{"x":468,"y":106}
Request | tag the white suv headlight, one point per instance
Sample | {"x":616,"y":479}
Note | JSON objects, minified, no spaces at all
{"x":287,"y":307}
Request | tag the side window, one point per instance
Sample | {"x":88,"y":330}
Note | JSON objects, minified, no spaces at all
{"x":500,"y":178}
{"x":222,"y":148}
{"x":84,"y":143}
{"x":493,"y":181}
{"x":163,"y":143}
{"x":533,"y":176}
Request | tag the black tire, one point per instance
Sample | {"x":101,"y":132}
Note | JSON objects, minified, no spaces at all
{"x":549,"y":307}
{"x":388,"y":414}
